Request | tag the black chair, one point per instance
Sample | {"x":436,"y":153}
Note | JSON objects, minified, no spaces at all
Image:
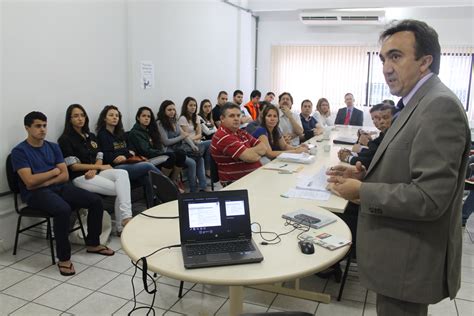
{"x":13,"y":183}
{"x":165,"y":191}
{"x":214,"y":172}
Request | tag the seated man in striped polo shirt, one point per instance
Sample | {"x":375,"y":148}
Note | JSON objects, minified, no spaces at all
{"x":235,"y":151}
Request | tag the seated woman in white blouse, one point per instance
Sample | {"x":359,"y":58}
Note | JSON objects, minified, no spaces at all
{"x":205,"y":118}
{"x":189,"y":122}
{"x":323,"y":113}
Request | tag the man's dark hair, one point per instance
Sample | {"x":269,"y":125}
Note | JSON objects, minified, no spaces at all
{"x":285,"y":93}
{"x":388,"y":101}
{"x":227,"y":106}
{"x":426,"y":40}
{"x":348,"y":93}
{"x":306,"y":100}
{"x":262,"y":105}
{"x":236,"y":92}
{"x":271,"y":93}
{"x":390,"y":107}
{"x":376,"y":107}
{"x":221,"y":93}
{"x":255,"y":93}
{"x":32,"y":116}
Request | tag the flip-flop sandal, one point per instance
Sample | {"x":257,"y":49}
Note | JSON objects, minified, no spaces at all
{"x":102,"y":252}
{"x":69,"y":267}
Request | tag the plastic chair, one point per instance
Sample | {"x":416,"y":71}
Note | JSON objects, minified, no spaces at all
{"x":13,"y":183}
{"x":165,"y":191}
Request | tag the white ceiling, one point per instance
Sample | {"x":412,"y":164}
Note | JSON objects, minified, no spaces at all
{"x":292,"y":5}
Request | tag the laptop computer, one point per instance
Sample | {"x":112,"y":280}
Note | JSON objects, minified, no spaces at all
{"x":215,"y":229}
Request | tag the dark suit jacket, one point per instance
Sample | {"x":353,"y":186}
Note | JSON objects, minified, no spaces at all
{"x":357,"y":117}
{"x":409,"y":233}
{"x":366,"y":155}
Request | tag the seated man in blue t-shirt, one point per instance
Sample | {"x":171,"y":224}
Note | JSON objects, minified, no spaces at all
{"x":44,"y":186}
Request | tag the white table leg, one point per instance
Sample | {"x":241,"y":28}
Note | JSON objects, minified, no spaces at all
{"x":236,"y":300}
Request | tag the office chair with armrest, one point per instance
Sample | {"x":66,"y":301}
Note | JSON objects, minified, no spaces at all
{"x":165,"y":190}
{"x":13,"y":184}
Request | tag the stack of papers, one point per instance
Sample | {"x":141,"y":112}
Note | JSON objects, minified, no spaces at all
{"x":317,"y":182}
{"x":311,"y":188}
{"x":326,"y":240}
{"x":298,"y":158}
{"x":283,"y":167}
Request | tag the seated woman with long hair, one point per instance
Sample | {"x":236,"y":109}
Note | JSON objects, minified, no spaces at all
{"x":111,"y":138}
{"x":205,"y":119}
{"x":323,"y":113}
{"x":189,"y":122}
{"x":145,"y":140}
{"x":178,"y":140}
{"x":84,"y":159}
{"x":269,"y":133}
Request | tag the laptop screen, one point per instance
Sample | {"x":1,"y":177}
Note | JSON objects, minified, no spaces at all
{"x":213,"y":216}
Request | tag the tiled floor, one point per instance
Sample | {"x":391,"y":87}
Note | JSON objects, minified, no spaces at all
{"x":30,"y":285}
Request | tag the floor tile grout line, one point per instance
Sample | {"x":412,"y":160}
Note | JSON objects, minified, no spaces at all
{"x":464,"y":299}
{"x":222,"y":305}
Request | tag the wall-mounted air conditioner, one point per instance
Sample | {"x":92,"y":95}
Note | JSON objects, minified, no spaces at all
{"x":341,"y":17}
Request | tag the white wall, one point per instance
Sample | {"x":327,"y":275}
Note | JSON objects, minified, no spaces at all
{"x":59,"y":53}
{"x":198,"y":48}
{"x":454,"y":25}
{"x":55,"y":53}
{"x":88,"y":52}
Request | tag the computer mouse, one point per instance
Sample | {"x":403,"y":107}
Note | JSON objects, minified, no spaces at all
{"x":306,"y":247}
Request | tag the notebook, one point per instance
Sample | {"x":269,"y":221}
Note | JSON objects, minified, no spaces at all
{"x":215,"y":229}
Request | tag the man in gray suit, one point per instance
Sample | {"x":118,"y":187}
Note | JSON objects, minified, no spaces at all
{"x":409,"y":231}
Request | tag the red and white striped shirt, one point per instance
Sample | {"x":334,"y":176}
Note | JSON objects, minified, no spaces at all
{"x":226,"y":148}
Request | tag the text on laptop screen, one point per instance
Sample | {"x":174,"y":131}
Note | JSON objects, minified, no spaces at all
{"x":215,"y":216}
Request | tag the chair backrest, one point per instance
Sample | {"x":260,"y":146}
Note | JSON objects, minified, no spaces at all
{"x":164,"y":189}
{"x":214,"y":170}
{"x":12,"y":176}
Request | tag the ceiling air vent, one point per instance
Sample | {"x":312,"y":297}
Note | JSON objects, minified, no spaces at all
{"x":342,"y":17}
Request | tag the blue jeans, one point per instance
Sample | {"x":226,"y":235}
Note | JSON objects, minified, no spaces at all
{"x":196,"y":167}
{"x":139,"y":172}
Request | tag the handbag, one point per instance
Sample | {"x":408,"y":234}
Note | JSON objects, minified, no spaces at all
{"x":186,"y":148}
{"x":76,"y":237}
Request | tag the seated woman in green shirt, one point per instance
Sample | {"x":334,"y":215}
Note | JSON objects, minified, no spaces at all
{"x":144,"y":139}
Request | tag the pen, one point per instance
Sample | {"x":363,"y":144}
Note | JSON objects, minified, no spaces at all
{"x":283,"y":165}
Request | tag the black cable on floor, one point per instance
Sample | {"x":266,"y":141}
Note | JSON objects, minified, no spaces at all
{"x":145,"y":276}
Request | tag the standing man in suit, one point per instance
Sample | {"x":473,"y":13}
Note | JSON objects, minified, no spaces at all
{"x":349,"y":115}
{"x":409,"y":231}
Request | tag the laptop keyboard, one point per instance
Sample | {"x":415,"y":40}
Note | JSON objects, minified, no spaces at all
{"x":207,"y":249}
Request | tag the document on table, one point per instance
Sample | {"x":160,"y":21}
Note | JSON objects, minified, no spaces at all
{"x":307,"y":194}
{"x":317,"y":182}
{"x":312,"y":188}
